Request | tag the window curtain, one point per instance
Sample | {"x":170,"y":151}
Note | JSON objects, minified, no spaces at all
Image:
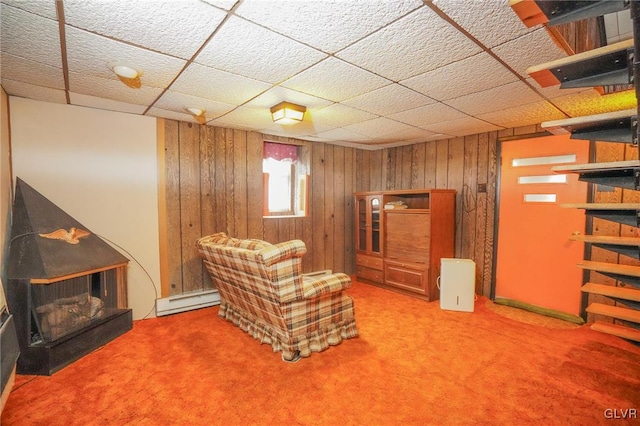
{"x":280,"y":151}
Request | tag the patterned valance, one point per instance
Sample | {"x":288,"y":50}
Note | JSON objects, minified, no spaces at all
{"x":280,"y":151}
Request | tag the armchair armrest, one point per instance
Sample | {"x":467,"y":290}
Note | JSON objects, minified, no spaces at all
{"x":278,"y":252}
{"x":326,"y":284}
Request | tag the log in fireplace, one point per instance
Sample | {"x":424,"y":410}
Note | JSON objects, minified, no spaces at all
{"x":66,"y":287}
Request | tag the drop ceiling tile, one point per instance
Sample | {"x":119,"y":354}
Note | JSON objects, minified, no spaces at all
{"x":20,"y":69}
{"x":223,"y":4}
{"x":278,"y":94}
{"x":343,"y":135}
{"x":244,"y":118}
{"x":427,"y":115}
{"x":491,"y":22}
{"x":44,"y":8}
{"x":178,"y":102}
{"x":79,"y":99}
{"x":531,"y":49}
{"x":111,"y":89}
{"x":29,"y":36}
{"x":555,"y":91}
{"x":221,"y":86}
{"x":523,"y":115}
{"x":252,"y":51}
{"x":463,"y":126}
{"x":416,"y":135}
{"x":30,"y":91}
{"x":389,"y":100}
{"x":473,"y":74}
{"x":625,"y":24}
{"x":335,"y":80}
{"x":176,"y":28}
{"x":338,"y":115}
{"x":422,"y":40}
{"x":93,"y":55}
{"x":171,"y":115}
{"x":496,"y":99}
{"x":379,"y":127}
{"x":326,"y":25}
{"x":306,"y":127}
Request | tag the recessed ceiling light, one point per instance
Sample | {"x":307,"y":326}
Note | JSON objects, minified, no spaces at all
{"x":128,"y":76}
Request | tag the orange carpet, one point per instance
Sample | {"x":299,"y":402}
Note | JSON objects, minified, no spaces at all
{"x":413,"y":364}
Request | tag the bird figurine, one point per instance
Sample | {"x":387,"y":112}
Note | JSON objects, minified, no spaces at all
{"x":71,"y":236}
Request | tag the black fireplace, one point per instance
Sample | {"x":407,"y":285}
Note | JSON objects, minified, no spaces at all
{"x":66,"y":287}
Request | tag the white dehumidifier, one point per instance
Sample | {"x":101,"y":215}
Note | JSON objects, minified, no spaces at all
{"x":457,"y":284}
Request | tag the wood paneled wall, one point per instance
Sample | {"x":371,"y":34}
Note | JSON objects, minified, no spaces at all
{"x":469,"y":165}
{"x":213,"y":183}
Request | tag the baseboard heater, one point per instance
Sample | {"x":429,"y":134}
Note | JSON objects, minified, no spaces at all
{"x":187,"y":302}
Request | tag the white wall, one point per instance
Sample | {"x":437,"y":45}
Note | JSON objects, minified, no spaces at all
{"x":6,"y":194}
{"x":100,"y":167}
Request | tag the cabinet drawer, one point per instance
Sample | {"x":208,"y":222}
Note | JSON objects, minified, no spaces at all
{"x":407,"y":276}
{"x":369,"y":274}
{"x":369,"y":261}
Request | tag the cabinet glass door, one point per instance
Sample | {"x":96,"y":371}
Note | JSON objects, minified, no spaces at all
{"x":375,"y":225}
{"x":362,"y":224}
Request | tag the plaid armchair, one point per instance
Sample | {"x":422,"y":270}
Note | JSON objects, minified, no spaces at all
{"x":263,"y":292}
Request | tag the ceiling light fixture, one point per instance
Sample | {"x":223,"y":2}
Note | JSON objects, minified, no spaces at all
{"x":198,"y":114}
{"x":128,"y":76}
{"x":287,"y":113}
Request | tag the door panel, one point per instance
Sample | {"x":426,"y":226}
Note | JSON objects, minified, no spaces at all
{"x":536,"y":262}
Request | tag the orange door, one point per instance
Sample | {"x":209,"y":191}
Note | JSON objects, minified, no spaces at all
{"x":536,"y":262}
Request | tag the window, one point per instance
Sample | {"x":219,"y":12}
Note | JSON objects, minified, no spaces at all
{"x":284,"y":180}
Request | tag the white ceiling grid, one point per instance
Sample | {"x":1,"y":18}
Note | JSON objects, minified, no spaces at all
{"x":371,"y":73}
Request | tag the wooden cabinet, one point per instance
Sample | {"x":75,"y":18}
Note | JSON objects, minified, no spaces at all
{"x":368,"y":236}
{"x":416,"y":229}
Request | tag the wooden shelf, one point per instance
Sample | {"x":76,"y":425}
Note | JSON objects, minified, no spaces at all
{"x":619,"y":174}
{"x":613,"y":166}
{"x":605,"y":66}
{"x":607,"y":239}
{"x":617,"y":330}
{"x":628,"y":246}
{"x":613,"y":268}
{"x":625,"y":213}
{"x":617,"y":126}
{"x":560,"y":12}
{"x":628,"y":274}
{"x":614,"y":312}
{"x":602,"y":206}
{"x":624,"y":293}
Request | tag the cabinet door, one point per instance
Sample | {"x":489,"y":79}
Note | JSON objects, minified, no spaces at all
{"x":374,"y":206}
{"x":369,"y":224}
{"x":407,"y":236}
